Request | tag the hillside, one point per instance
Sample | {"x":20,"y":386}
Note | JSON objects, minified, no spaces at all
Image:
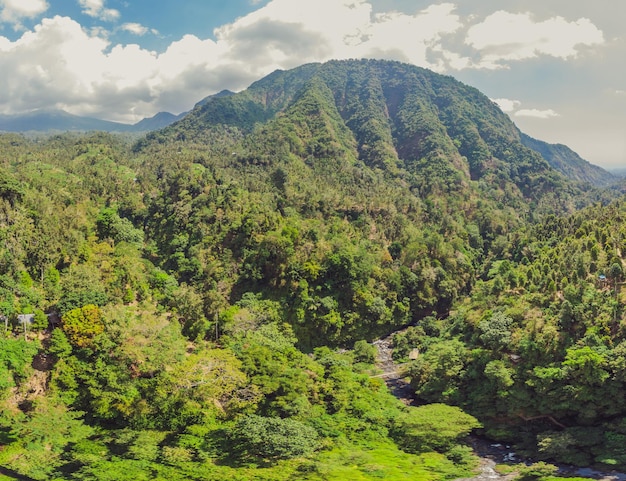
{"x":380,"y":160}
{"x":569,"y":163}
{"x":201,"y":304}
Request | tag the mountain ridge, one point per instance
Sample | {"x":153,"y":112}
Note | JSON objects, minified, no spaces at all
{"x":259,"y":103}
{"x":267,"y":104}
{"x":565,"y":160}
{"x":56,"y":120}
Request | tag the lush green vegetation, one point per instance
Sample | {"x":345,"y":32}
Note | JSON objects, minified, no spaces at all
{"x":203,"y":299}
{"x":537,"y":352}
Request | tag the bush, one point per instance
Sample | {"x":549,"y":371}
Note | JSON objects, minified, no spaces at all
{"x":274,"y":438}
{"x":82,"y":324}
{"x":536,"y":471}
{"x":433,"y":427}
{"x":364,"y":352}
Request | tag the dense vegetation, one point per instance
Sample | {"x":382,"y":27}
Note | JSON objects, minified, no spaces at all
{"x":538,"y":351}
{"x":189,"y":292}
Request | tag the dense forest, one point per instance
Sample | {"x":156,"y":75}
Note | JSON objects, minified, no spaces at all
{"x":200,"y":303}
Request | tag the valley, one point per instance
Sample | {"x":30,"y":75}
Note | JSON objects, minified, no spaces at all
{"x":214,"y":299}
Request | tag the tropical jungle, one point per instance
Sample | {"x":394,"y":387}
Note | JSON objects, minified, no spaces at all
{"x":200,"y":303}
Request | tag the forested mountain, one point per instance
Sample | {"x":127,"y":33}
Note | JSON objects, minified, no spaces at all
{"x":569,"y":163}
{"x":407,"y":157}
{"x":173,"y":307}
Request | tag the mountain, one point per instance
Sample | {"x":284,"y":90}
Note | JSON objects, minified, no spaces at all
{"x":159,"y":121}
{"x":223,"y":93}
{"x":387,"y":115}
{"x":558,"y":156}
{"x":272,"y":95}
{"x":343,"y":164}
{"x":55,"y":120}
{"x":569,"y":163}
{"x":60,"y":121}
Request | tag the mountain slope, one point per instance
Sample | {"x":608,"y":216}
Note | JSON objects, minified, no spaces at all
{"x":158,"y":121}
{"x":365,"y":194}
{"x":569,"y":163}
{"x":399,"y":117}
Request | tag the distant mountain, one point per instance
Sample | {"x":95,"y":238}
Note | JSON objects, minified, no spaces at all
{"x":159,"y":121}
{"x":618,"y":171}
{"x":569,"y":163}
{"x":388,"y":115}
{"x":55,"y":120}
{"x":61,"y":121}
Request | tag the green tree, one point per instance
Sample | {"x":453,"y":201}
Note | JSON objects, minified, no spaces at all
{"x":364,"y":352}
{"x":82,"y":324}
{"x":274,"y":438}
{"x":433,"y":427}
{"x":495,"y":332}
{"x":41,"y":320}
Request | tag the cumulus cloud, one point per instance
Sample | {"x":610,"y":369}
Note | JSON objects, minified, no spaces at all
{"x":507,"y":105}
{"x":137,"y":29}
{"x":513,"y":107}
{"x":97,"y":9}
{"x":61,"y":64}
{"x":503,"y":37}
{"x":536,"y":113}
{"x":337,"y":29}
{"x":12,"y":11}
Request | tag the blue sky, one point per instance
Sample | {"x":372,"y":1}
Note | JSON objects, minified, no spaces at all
{"x":557,"y":68}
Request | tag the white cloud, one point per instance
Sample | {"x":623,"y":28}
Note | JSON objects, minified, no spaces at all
{"x":285,"y":33}
{"x":535,"y":113}
{"x":60,"y":64}
{"x":97,"y":9}
{"x":507,"y":105}
{"x":12,"y":11}
{"x":503,"y":37}
{"x":136,"y":29}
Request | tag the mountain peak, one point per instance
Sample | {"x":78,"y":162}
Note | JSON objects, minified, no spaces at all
{"x":398,"y":115}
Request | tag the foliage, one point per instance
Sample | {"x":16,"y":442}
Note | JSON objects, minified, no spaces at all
{"x":274,"y":438}
{"x":82,"y":324}
{"x":364,"y":352}
{"x":435,"y":427}
{"x":536,"y":471}
{"x":16,"y":356}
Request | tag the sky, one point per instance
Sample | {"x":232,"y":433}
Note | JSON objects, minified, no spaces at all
{"x":555,"y":67}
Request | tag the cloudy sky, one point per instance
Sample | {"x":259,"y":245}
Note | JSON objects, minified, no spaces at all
{"x":556,"y":67}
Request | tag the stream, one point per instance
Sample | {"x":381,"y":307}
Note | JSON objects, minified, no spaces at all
{"x":490,"y":453}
